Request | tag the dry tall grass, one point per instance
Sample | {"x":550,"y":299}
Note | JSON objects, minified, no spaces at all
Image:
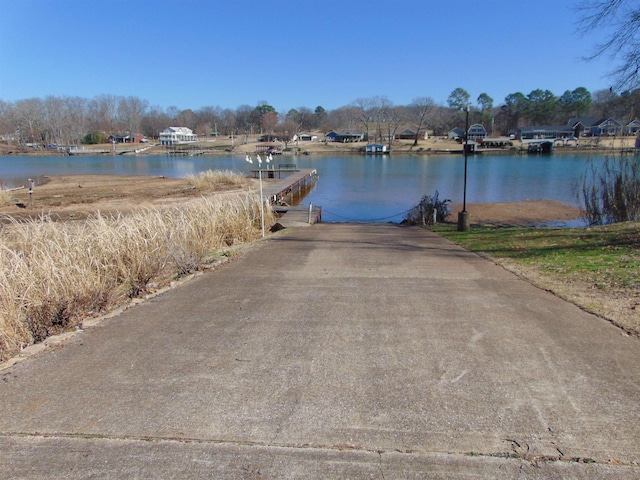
{"x":5,"y":197}
{"x":212,"y":179}
{"x":52,"y":275}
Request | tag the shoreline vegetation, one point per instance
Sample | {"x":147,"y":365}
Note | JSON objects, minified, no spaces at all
{"x":56,"y":272}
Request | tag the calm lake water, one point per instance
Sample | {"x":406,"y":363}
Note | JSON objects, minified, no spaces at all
{"x":354,"y":188}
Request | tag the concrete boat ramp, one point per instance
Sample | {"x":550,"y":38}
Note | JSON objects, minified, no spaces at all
{"x":340,"y":351}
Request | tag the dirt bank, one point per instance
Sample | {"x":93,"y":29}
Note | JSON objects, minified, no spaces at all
{"x":535,"y":212}
{"x":74,"y":197}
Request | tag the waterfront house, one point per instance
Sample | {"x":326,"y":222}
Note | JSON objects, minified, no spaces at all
{"x":608,"y":127}
{"x":345,"y":137}
{"x":125,"y":138}
{"x":581,"y":125}
{"x":409,"y":134}
{"x":455,"y":134}
{"x":595,"y":127}
{"x":477,"y":131}
{"x":267,"y":138}
{"x":305,"y":137}
{"x":546,"y":132}
{"x":177,"y":135}
{"x":632,"y":128}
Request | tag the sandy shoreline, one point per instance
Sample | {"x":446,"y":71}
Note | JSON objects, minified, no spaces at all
{"x":533,"y":212}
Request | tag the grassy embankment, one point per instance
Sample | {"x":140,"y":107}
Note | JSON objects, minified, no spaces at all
{"x":597,"y":268}
{"x":55,"y":274}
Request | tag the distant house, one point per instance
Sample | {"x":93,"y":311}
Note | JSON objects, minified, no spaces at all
{"x":177,"y":135}
{"x":455,"y":134}
{"x":406,"y":134}
{"x":595,"y":127}
{"x":578,"y":127}
{"x":345,"y":137}
{"x":581,"y":125}
{"x":305,"y":137}
{"x":268,"y":138}
{"x":125,"y":138}
{"x":477,"y":131}
{"x":546,"y":132}
{"x":376,"y":148}
{"x":632,"y":128}
{"x":608,"y":127}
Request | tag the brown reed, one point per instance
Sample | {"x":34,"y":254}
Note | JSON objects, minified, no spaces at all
{"x":55,"y":274}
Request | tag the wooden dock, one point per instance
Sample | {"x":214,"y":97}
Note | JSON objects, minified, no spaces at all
{"x":278,"y":191}
{"x":289,"y":190}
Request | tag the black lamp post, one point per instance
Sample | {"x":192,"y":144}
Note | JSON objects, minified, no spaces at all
{"x":463,"y":216}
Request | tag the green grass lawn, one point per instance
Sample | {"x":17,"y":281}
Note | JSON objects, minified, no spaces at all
{"x":605,"y":255}
{"x":602,"y":259}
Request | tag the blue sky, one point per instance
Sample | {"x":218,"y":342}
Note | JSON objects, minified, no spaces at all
{"x":292,"y":53}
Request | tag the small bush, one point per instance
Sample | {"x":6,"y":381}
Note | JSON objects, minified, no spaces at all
{"x":94,"y":138}
{"x":611,"y":192}
{"x":423,"y":213}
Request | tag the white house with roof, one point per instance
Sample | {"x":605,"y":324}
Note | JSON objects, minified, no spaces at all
{"x":177,"y":135}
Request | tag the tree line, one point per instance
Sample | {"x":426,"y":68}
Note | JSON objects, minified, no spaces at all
{"x":72,"y":120}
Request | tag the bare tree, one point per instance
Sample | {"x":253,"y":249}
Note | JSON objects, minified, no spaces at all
{"x":130,"y":112}
{"x":243,"y":116}
{"x":420,"y":109}
{"x":77,"y":118}
{"x":365,"y":108}
{"x":7,"y":125}
{"x":53,"y":119}
{"x":229,"y":120}
{"x":345,"y":118}
{"x":268,"y":122}
{"x":154,"y":122}
{"x":28,"y":116}
{"x":186,"y":118}
{"x":211,"y":116}
{"x":104,"y":109}
{"x":286,"y":130}
{"x":623,"y":43}
{"x":393,"y":117}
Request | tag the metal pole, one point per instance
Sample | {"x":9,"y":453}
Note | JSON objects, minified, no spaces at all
{"x":261,"y":199}
{"x":466,"y":152}
{"x":31,"y":184}
{"x":463,"y":216}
